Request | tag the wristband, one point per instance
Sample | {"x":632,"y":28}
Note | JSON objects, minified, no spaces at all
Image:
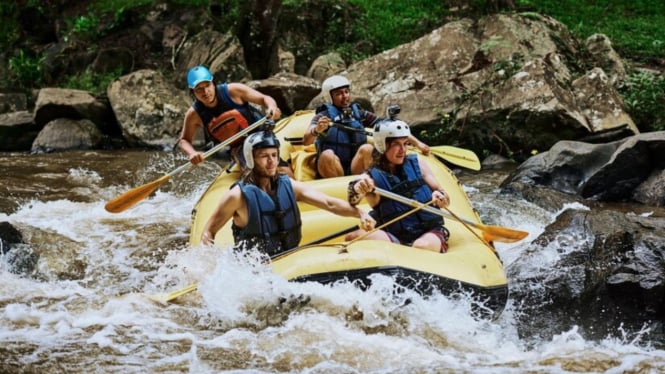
{"x":353,"y":196}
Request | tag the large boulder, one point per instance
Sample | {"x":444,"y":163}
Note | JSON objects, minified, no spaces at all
{"x":607,"y":172}
{"x":66,"y":134}
{"x":505,"y":83}
{"x":53,"y":103}
{"x":17,"y":131}
{"x":608,"y":272}
{"x":221,"y":53}
{"x":149,"y":109}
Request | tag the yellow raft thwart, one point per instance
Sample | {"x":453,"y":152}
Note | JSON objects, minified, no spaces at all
{"x":470,"y":265}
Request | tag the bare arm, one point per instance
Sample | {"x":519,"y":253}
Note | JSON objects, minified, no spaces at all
{"x":190,"y":125}
{"x":242,"y":93}
{"x":424,"y":148}
{"x":319,"y":123}
{"x":440,"y":197}
{"x":340,"y":207}
{"x":231,"y":205}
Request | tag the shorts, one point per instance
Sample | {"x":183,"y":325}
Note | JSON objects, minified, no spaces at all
{"x":440,"y":232}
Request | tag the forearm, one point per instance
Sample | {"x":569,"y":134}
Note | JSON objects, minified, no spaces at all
{"x":310,"y":135}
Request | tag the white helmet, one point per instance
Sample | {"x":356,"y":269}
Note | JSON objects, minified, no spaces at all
{"x":389,"y":128}
{"x":258,"y":140}
{"x":333,"y":83}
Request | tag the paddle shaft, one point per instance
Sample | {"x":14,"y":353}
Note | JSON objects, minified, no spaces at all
{"x":221,"y":145}
{"x":133,"y":196}
{"x":403,"y":215}
{"x":501,"y":234}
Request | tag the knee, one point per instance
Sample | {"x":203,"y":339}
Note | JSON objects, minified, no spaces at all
{"x":365,"y":150}
{"x":327,"y":156}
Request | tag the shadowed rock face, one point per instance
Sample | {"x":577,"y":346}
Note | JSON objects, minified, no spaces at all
{"x":611,"y":272}
{"x":625,"y":170}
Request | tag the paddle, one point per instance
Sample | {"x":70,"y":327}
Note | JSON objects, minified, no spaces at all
{"x":492,"y":233}
{"x":390,"y":222}
{"x":458,"y":156}
{"x":166,"y":297}
{"x":133,"y":196}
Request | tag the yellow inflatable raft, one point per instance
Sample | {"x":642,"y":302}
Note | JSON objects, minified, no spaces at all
{"x":470,"y":264}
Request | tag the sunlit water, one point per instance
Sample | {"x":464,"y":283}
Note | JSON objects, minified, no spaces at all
{"x":243,"y":318}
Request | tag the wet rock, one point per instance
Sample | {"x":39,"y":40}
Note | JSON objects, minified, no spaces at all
{"x":9,"y":236}
{"x":604,"y":172}
{"x":608,"y":270}
{"x":65,"y":134}
{"x":17,"y":131}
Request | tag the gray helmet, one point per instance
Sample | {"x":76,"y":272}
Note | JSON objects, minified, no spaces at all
{"x":389,"y":128}
{"x":258,"y":140}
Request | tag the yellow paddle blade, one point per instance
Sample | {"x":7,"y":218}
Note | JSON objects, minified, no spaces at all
{"x":503,"y":234}
{"x":133,"y":196}
{"x":458,"y":156}
{"x":164,"y":298}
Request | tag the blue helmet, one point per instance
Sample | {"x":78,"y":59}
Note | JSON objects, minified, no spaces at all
{"x":198,"y":74}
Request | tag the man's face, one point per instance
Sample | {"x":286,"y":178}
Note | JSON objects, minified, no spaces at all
{"x":396,"y":150}
{"x":266,"y":161}
{"x":341,"y":97}
{"x":205,"y":92}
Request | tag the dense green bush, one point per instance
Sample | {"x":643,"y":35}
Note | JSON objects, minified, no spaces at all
{"x":644,"y":96}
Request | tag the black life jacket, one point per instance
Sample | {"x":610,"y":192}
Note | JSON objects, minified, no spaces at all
{"x":344,"y":143}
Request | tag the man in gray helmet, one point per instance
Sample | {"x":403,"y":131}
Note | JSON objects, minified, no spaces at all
{"x":263,"y":204}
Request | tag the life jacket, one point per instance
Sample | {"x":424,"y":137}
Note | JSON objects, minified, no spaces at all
{"x":344,"y":143}
{"x":409,"y":183}
{"x":274,"y":223}
{"x":225,"y":119}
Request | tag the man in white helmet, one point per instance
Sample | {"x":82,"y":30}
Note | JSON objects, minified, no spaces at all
{"x":407,"y":175}
{"x":338,"y":130}
{"x":263,"y":204}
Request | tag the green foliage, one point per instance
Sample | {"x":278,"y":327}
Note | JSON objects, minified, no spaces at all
{"x":86,"y":26}
{"x":644,"y":96}
{"x":636,"y":27}
{"x":92,"y":82}
{"x":388,"y":23}
{"x":25,"y":70}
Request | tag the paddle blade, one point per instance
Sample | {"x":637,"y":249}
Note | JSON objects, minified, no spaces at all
{"x":503,"y":234}
{"x":133,"y":196}
{"x":164,"y":298}
{"x":458,"y":156}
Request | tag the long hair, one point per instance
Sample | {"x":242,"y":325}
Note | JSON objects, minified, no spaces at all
{"x":247,"y":176}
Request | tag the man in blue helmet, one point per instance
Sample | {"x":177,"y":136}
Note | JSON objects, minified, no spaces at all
{"x":263,"y":204}
{"x":343,"y":150}
{"x":222,"y":111}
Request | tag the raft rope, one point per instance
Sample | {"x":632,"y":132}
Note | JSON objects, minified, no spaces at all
{"x":409,"y":212}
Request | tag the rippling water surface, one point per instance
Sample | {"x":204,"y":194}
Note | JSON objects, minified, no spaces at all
{"x":243,"y":318}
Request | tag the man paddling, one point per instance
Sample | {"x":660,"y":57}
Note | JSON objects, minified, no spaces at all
{"x":407,"y":175}
{"x":222,"y":111}
{"x":263,"y":204}
{"x":338,"y":130}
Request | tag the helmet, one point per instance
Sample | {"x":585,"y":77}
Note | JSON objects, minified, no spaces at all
{"x":258,"y":140}
{"x":333,"y":83}
{"x":389,"y":128}
{"x":198,"y":74}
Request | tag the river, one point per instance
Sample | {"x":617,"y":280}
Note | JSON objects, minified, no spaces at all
{"x":243,"y":318}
